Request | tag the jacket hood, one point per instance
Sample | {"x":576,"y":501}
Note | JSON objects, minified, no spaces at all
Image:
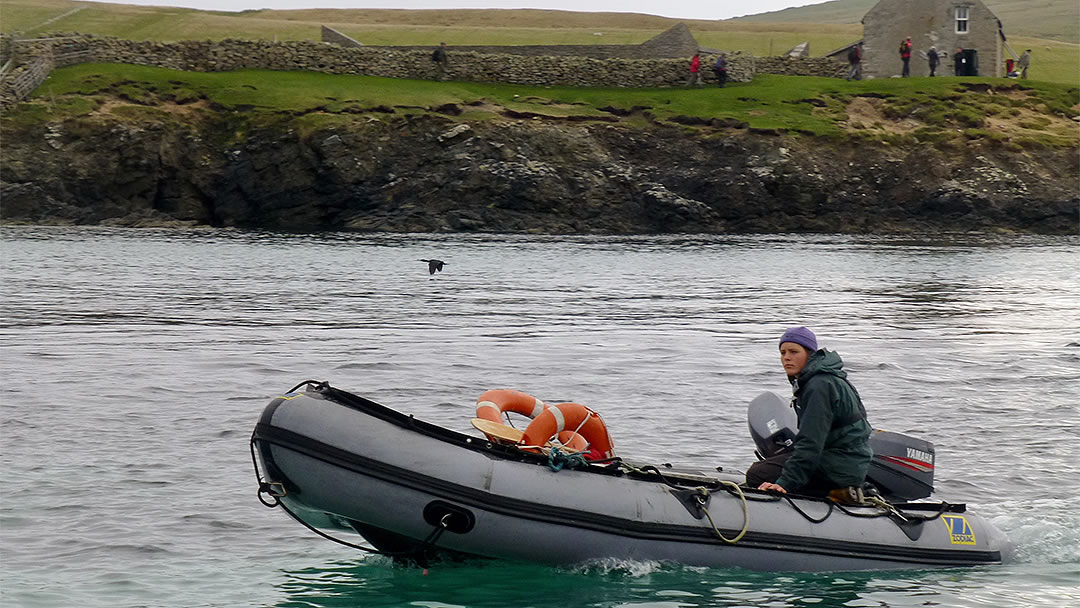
{"x":822,"y":362}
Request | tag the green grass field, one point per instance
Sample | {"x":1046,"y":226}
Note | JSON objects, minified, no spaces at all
{"x":1055,"y":61}
{"x":941,"y":108}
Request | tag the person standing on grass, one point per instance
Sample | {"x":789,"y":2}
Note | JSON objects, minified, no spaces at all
{"x":854,"y":57}
{"x":720,"y":69}
{"x":1023,"y":63}
{"x":905,"y":56}
{"x":932,"y":58}
{"x":441,"y":62}
{"x":695,"y":71}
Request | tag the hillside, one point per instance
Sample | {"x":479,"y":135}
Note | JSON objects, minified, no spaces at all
{"x":168,"y":23}
{"x":1050,"y":19}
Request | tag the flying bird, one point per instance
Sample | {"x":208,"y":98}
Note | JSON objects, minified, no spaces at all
{"x":434,"y":266}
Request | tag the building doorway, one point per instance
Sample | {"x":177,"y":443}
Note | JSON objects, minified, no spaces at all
{"x":967,"y":62}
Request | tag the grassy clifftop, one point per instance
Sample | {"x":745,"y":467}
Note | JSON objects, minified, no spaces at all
{"x":138,"y":146}
{"x":943,"y":112}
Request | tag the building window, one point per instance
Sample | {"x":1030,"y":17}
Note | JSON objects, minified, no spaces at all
{"x":961,"y":19}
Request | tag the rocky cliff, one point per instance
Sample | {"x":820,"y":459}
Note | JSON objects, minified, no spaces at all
{"x":428,"y":172}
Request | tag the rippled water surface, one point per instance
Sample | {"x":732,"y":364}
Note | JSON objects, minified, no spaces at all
{"x":136,"y":363}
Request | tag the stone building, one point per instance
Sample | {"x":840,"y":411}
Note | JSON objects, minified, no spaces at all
{"x":944,"y":24}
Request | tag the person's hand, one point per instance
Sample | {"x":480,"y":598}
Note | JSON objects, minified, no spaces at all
{"x":773,"y":487}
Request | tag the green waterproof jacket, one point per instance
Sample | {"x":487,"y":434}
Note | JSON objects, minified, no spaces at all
{"x":834,"y":435}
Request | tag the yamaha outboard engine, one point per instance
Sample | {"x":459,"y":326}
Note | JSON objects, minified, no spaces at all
{"x":902,"y":467}
{"x":773,"y":425}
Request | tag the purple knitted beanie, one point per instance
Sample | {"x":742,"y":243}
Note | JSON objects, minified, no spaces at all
{"x":801,"y":336}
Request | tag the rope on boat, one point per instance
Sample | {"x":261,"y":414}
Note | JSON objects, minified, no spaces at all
{"x":583,"y":421}
{"x":884,"y":508}
{"x":887,"y":509}
{"x":557,"y":459}
{"x":703,"y":498}
{"x":275,"y":490}
{"x":325,"y":535}
{"x":807,"y":516}
{"x":656,"y":471}
{"x":428,"y":542}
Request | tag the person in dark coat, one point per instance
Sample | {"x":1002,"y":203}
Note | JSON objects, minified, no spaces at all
{"x":720,"y":69}
{"x":441,"y":61}
{"x":960,"y":62}
{"x":854,"y":57}
{"x":933,"y":59}
{"x":832,"y":450}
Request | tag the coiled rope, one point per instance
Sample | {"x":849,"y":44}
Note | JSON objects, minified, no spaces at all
{"x":703,"y":498}
{"x":557,"y":459}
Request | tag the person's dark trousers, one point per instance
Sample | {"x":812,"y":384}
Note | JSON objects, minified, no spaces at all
{"x":721,"y":77}
{"x":907,"y":67}
{"x":769,"y":470}
{"x":933,"y":69}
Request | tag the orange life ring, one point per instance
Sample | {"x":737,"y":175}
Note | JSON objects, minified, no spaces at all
{"x":571,"y":417}
{"x":492,"y":404}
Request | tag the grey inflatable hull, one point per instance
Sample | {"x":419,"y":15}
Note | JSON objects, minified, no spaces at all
{"x":340,"y":463}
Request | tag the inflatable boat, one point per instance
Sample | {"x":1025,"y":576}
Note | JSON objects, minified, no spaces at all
{"x":344,"y":466}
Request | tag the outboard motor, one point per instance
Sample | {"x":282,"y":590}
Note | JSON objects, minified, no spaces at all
{"x":773,"y":425}
{"x":902,"y":466}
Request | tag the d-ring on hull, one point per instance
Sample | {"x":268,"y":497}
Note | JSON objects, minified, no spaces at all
{"x":349,"y":463}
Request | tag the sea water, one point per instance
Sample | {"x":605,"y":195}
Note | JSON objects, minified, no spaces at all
{"x":136,"y":363}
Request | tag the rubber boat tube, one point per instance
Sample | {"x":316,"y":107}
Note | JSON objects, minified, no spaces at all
{"x":342,"y":464}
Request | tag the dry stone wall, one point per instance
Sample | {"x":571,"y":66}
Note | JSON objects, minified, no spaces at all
{"x":393,"y":62}
{"x":20,"y":82}
{"x":800,"y":66}
{"x":398,"y":62}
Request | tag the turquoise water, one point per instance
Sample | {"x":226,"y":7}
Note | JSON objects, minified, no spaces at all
{"x":137,"y":362}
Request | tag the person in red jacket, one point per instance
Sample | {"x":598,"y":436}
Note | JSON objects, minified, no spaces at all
{"x":905,"y":55}
{"x":695,"y":71}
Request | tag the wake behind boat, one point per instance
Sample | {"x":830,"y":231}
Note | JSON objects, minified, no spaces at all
{"x":344,"y":465}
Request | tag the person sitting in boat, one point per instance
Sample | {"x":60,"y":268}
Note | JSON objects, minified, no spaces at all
{"x":832,"y":453}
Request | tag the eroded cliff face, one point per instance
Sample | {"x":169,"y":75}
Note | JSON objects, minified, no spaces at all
{"x":430,"y":173}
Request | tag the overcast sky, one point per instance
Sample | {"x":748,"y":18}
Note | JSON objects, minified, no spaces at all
{"x":686,"y":9}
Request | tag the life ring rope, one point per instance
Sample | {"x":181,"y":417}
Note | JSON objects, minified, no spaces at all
{"x":586,"y":423}
{"x":496,"y":404}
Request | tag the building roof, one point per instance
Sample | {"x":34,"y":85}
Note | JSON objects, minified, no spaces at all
{"x":842,"y":51}
{"x":676,"y":42}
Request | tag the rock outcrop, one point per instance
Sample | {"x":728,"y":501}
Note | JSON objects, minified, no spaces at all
{"x":432,"y":173}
